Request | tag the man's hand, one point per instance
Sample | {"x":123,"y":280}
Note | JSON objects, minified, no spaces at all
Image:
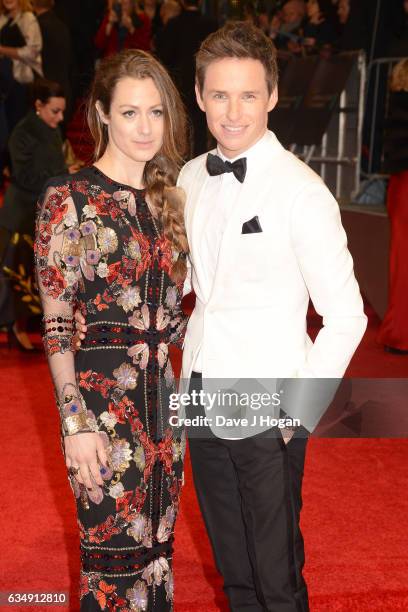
{"x":80,"y":330}
{"x":86,"y":451}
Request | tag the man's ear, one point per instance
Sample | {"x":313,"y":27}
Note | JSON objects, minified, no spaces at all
{"x":199,"y":98}
{"x":104,"y":119}
{"x":273,"y":100}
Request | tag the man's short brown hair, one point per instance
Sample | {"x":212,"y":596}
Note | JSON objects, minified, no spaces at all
{"x":238,"y":39}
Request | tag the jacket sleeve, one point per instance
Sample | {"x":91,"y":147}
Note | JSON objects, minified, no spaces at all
{"x":181,"y":182}
{"x":31,"y":167}
{"x":320,"y":244}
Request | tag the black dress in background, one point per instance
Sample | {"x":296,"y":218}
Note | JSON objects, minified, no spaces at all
{"x":98,"y":247}
{"x":36,"y":155}
{"x":56,"y":55}
{"x":16,"y":94}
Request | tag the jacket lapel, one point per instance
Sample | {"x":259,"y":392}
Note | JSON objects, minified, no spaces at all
{"x":246,"y":207}
{"x":194,"y":202}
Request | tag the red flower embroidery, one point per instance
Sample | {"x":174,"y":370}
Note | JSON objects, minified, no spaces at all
{"x":53,"y":281}
{"x":104,"y":589}
{"x":162,"y":452}
{"x":113,"y":272}
{"x":143,"y":262}
{"x":104,"y":531}
{"x":120,"y":409}
{"x":163,"y":252}
{"x":99,"y":304}
{"x":92,"y":381}
{"x":83,"y":586}
{"x":80,"y":186}
{"x":122,"y":503}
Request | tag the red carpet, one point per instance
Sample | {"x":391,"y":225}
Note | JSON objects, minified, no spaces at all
{"x":354,"y":517}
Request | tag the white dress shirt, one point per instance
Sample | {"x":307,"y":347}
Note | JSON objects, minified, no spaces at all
{"x":221,"y":193}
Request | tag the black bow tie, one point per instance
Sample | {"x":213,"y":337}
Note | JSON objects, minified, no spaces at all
{"x":215,"y":166}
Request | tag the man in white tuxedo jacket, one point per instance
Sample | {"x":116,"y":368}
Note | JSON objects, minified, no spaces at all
{"x":265,"y":235}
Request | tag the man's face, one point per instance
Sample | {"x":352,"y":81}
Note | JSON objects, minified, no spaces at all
{"x":292,"y":13}
{"x":236,"y":101}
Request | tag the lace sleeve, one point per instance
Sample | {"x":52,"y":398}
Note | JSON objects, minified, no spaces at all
{"x":58,"y":246}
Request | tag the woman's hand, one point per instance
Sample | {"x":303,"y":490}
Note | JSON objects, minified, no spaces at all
{"x":80,"y":330}
{"x":84,"y":450}
{"x":127,"y":22}
{"x":113,"y":17}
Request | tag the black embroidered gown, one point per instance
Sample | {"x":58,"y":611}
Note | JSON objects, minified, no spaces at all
{"x":98,"y":248}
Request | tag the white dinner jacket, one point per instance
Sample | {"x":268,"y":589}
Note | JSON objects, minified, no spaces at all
{"x":252,"y":322}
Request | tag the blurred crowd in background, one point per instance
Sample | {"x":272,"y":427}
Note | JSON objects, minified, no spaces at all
{"x":48,"y":53}
{"x":62,"y":39}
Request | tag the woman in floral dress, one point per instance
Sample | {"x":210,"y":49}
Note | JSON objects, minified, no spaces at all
{"x":110,"y":240}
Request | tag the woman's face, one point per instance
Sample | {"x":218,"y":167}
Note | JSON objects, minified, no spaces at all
{"x":127,"y":6}
{"x":136,"y":121}
{"x":52,"y":111}
{"x":11,"y":5}
{"x":312,"y":8}
{"x":343,"y":10}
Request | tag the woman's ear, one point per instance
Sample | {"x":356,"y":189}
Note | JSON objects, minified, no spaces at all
{"x":104,"y":119}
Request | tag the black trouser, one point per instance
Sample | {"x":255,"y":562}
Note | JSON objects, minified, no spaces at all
{"x":249,"y":493}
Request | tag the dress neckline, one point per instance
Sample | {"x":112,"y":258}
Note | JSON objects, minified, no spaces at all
{"x":115,"y":183}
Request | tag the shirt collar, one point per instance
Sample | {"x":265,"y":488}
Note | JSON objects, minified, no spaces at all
{"x":250,"y":153}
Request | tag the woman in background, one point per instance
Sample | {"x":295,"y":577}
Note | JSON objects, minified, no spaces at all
{"x":393,"y":333}
{"x":319,"y":27}
{"x":36,"y":152}
{"x":111,"y":241}
{"x":124,"y":26}
{"x":20,"y":63}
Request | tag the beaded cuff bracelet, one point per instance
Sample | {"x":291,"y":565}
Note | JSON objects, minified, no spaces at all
{"x":74,"y":417}
{"x":58,"y":333}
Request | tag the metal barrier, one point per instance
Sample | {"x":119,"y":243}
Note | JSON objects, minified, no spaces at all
{"x":376,"y":111}
{"x":324,"y":122}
